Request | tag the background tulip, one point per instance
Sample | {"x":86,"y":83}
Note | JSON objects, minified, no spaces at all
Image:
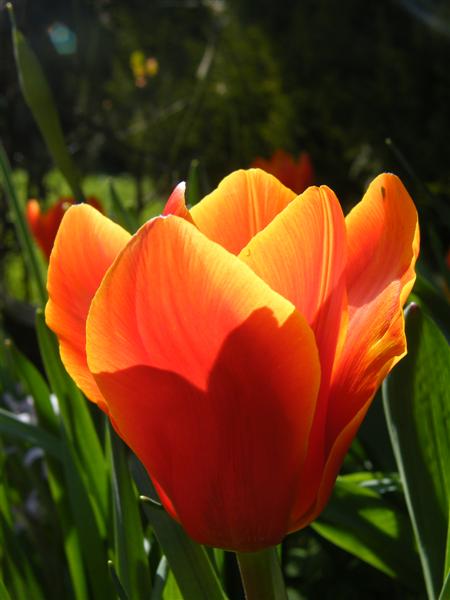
{"x":237,"y":351}
{"x":296,"y":174}
{"x":44,"y":225}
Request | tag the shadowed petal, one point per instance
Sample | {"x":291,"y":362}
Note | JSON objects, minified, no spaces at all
{"x":85,"y":246}
{"x":302,"y":255}
{"x":243,"y":204}
{"x":213,"y":378}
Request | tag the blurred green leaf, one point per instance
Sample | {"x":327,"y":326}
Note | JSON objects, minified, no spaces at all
{"x":124,"y":216}
{"x":132,"y":565}
{"x":445,"y":592}
{"x":360,"y":519}
{"x":23,"y":234}
{"x":120,"y":591}
{"x":78,"y":422}
{"x":190,"y":563}
{"x":37,"y":387}
{"x":417,"y":406}
{"x":433,"y":301}
{"x":85,"y":468}
{"x":92,"y":542}
{"x":39,"y":98}
{"x":193,"y":184}
{"x":16,"y":567}
{"x":4,"y":595}
{"x":13,"y":427}
{"x":162,"y":588}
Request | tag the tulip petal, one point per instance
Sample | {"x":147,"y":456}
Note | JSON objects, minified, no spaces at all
{"x":331,"y":469}
{"x":176,"y":204}
{"x":243,"y":204}
{"x":212,"y":378}
{"x":302,"y":255}
{"x":383,"y":244}
{"x":85,"y":246}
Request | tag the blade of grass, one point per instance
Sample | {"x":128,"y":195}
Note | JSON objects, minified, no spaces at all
{"x":39,"y":98}
{"x":79,"y":426}
{"x":47,"y":418}
{"x":193,"y":184}
{"x":131,"y":560}
{"x":4,"y":595}
{"x":93,"y":544}
{"x":120,"y":591}
{"x":13,"y":427}
{"x":417,"y":406}
{"x":162,"y":573}
{"x":125,"y":217}
{"x":23,"y":234}
{"x":445,"y":592}
{"x":363,"y":522}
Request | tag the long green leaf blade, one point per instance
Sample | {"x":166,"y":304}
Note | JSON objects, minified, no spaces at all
{"x":78,"y":422}
{"x":417,"y":407}
{"x":23,"y":234}
{"x":13,"y":427}
{"x":363,"y":522}
{"x":39,"y":98}
{"x":131,"y":561}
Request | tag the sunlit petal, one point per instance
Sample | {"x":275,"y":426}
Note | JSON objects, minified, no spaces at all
{"x":243,"y":204}
{"x":85,"y":246}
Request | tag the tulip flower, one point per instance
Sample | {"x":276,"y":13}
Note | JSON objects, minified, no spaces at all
{"x":297,"y":175}
{"x":236,"y":347}
{"x":44,"y":225}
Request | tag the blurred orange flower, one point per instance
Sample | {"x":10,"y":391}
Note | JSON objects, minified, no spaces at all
{"x":297,"y":175}
{"x":237,"y":346}
{"x":44,"y":225}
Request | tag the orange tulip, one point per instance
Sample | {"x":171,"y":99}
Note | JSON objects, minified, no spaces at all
{"x":44,"y":226}
{"x":294,"y":174}
{"x":237,"y":346}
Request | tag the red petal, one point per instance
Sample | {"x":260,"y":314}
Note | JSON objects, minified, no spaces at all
{"x":198,"y":360}
{"x":86,"y":245}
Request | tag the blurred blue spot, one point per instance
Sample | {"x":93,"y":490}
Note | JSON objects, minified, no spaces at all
{"x":63,"y":39}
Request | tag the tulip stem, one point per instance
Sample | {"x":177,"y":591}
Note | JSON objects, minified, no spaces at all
{"x":261,"y":575}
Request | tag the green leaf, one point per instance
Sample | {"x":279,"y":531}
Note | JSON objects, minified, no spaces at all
{"x":161,"y":588}
{"x":433,"y":302}
{"x":4,"y":595}
{"x":92,"y":542}
{"x":190,"y":563}
{"x":193,"y":184}
{"x":39,"y":98}
{"x":360,"y":519}
{"x":120,"y":591}
{"x":79,"y":427}
{"x":23,"y":233}
{"x":417,"y":406}
{"x":131,"y":560}
{"x":37,"y":387}
{"x":124,"y":216}
{"x":13,"y":427}
{"x":445,"y":592}
{"x":16,"y":568}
